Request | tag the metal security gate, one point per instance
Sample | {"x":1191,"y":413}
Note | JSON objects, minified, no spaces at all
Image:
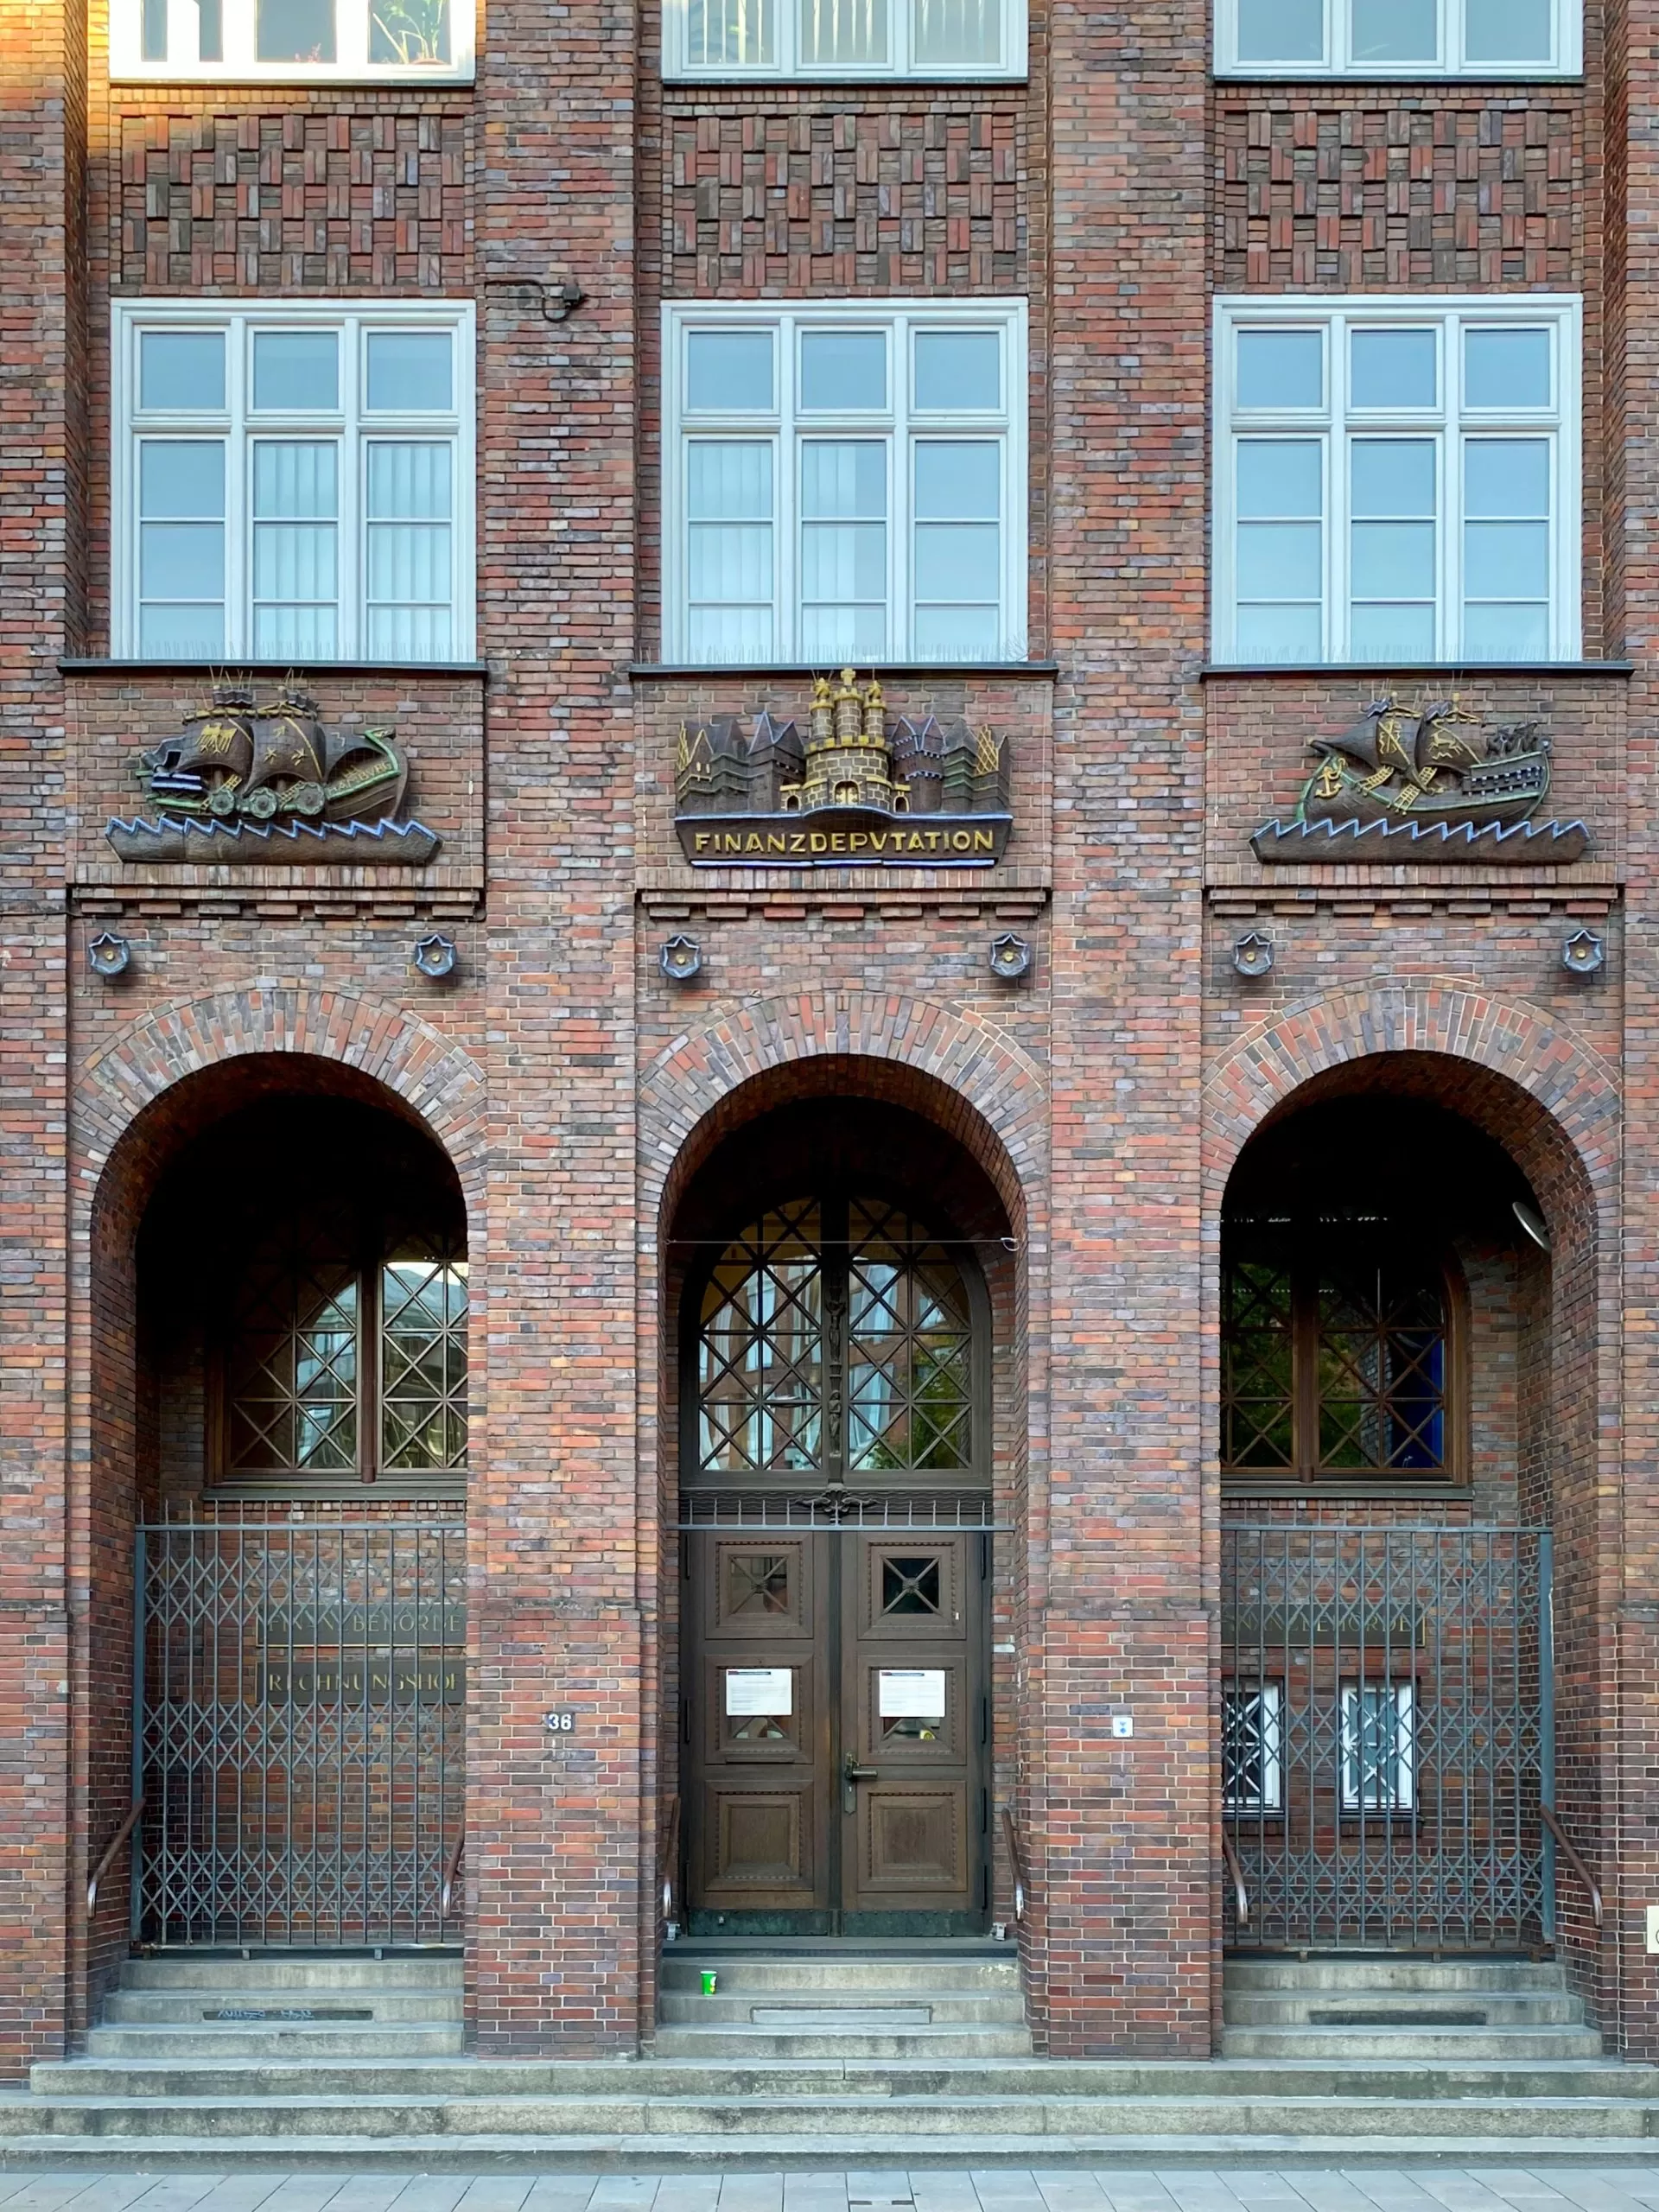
{"x":300,"y":1692}
{"x":1386,"y":1736}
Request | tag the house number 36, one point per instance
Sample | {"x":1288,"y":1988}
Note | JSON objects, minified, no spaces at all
{"x":560,"y":1723}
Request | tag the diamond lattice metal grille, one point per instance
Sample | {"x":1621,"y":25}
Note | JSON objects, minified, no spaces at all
{"x":302,"y":1713}
{"x":1386,"y":1739}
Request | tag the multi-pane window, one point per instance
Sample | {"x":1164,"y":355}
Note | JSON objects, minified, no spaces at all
{"x":1403,"y":38}
{"x":292,"y":41}
{"x":845,"y":485}
{"x":293,"y":482}
{"x":339,"y":1362}
{"x":1379,"y":1747}
{"x":1252,"y":1747}
{"x":1334,"y":1354}
{"x":844,"y":38}
{"x":1397,"y":480}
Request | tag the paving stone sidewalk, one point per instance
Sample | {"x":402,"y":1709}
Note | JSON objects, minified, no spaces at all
{"x":1585,"y":2188}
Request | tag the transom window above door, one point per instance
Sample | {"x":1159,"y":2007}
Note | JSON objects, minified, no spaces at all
{"x":844,"y":38}
{"x":845,"y":483}
{"x":292,"y":41}
{"x":1397,"y":480}
{"x":835,"y":1336}
{"x":293,"y":482}
{"x":1398,"y":38}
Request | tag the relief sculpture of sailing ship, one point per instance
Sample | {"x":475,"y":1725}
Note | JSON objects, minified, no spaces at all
{"x":1432,"y":783}
{"x":266,"y":780}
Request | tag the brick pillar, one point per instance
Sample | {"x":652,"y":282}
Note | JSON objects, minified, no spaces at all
{"x":42,"y":63}
{"x":554,"y":1836}
{"x":1124,"y":1841}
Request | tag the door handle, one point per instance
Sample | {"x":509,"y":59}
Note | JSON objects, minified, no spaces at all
{"x":851,"y":1775}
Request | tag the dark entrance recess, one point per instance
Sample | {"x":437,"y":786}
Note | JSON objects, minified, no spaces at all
{"x":836,"y":1559}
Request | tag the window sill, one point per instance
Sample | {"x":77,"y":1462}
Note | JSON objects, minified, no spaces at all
{"x":297,"y":77}
{"x":1040,"y":671}
{"x":230,"y":672}
{"x":735,"y":80}
{"x":1259,"y":74}
{"x":1234,"y":1486}
{"x":387,"y":1490}
{"x":1374,"y":671}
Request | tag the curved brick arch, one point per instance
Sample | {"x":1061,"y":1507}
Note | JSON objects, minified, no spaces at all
{"x":441,"y":1084}
{"x":1563,"y":1079}
{"x":987,"y":1091}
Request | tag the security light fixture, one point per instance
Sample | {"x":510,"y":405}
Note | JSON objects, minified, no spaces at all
{"x":109,"y":956}
{"x":1252,"y":953}
{"x":435,"y":957}
{"x":1533,"y":1222}
{"x":680,"y":959}
{"x":1583,"y":953}
{"x":1010,"y":958}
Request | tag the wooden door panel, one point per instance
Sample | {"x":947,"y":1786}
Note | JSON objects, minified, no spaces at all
{"x":762,"y":1856}
{"x":914,"y":1842}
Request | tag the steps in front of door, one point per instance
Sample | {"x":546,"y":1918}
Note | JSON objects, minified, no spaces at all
{"x":1363,"y":2008}
{"x":846,"y":2003}
{"x":193,"y":2007}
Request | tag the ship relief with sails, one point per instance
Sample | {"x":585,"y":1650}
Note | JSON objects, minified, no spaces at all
{"x":265,"y":780}
{"x":1431,"y":783}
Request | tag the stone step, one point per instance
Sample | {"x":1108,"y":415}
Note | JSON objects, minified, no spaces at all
{"x":1349,"y":2008}
{"x":1352,"y":1971}
{"x":1405,"y":2042}
{"x":823,"y":2120}
{"x":173,"y":2046}
{"x":847,"y":2008}
{"x":198,"y":2008}
{"x":436,"y":1968}
{"x":856,"y":2039}
{"x":656,"y":2153}
{"x":740,"y":1975}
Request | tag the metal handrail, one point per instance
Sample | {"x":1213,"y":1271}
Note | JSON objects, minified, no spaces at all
{"x":668,"y":1860}
{"x":451,"y":1871}
{"x":113,"y":1846}
{"x":1011,"y":1837}
{"x":1241,"y":1895}
{"x":1548,"y":1814}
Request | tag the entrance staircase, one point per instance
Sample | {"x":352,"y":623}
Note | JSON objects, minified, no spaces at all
{"x":817,"y":2057}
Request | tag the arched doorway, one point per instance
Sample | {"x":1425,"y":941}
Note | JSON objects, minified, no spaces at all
{"x":836,"y":1528}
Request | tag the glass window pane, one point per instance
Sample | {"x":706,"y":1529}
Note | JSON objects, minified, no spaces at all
{"x":409,"y":553}
{"x":1279,"y":476}
{"x":1282,"y":30}
{"x":1507,"y":31}
{"x":411,"y":479}
{"x":1378,"y":631}
{"x":294,"y":480}
{"x":965,"y":633}
{"x":1506,"y":368}
{"x":210,"y":30}
{"x":1392,"y":560}
{"x":410,"y":372}
{"x":295,"y":548}
{"x":1495,"y":632}
{"x":1278,"y":633}
{"x":843,"y":477}
{"x":729,"y":371}
{"x":1279,"y":560}
{"x":181,"y":476}
{"x":1506,"y":560}
{"x":729,"y":479}
{"x":1392,"y":368}
{"x":730,"y":573}
{"x":728,"y":34}
{"x":152,"y":33}
{"x":843,"y":369}
{"x":415,"y":33}
{"x":295,"y":371}
{"x":956,"y":481}
{"x":957,"y":561}
{"x":181,"y":560}
{"x":181,"y":632}
{"x":295,"y":30}
{"x":853,"y":33}
{"x":843,"y":547}
{"x":956,"y":33}
{"x":1280,"y":368}
{"x":958,"y":370}
{"x":182,"y":370}
{"x":1395,"y":30}
{"x":1392,"y":476}
{"x":1506,"y":476}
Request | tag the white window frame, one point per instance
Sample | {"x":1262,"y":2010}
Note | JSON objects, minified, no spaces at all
{"x":899,"y":61}
{"x":1447,"y":424}
{"x":1566,"y":59}
{"x":1269,"y":1697}
{"x":897,"y":425}
{"x":128,"y":64}
{"x":1401,"y":1794}
{"x":235,"y":424}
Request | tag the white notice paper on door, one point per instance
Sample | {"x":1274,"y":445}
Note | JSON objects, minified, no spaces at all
{"x":759,"y":1689}
{"x":911,"y":1693}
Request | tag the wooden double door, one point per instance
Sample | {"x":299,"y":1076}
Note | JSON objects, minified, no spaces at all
{"x":835,"y":1732}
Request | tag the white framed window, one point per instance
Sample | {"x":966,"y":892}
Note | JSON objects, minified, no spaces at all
{"x":1252,"y":1747}
{"x":1397,"y":479}
{"x":293,"y":480}
{"x":1399,"y":38}
{"x":292,"y":41}
{"x":845,"y":482}
{"x":1379,"y":1747}
{"x":844,"y":38}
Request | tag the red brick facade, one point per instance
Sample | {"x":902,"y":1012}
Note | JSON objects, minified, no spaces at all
{"x":1092,"y":1112}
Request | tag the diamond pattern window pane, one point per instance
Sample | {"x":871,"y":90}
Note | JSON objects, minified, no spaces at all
{"x":909,"y":1370}
{"x":423,"y":1361}
{"x":1257,"y":1392}
{"x":293,"y":1367}
{"x":1252,"y":1721}
{"x":1381,"y":1368}
{"x":760,"y":1349}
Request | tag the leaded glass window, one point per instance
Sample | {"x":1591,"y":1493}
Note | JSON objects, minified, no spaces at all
{"x":1335,"y":1354}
